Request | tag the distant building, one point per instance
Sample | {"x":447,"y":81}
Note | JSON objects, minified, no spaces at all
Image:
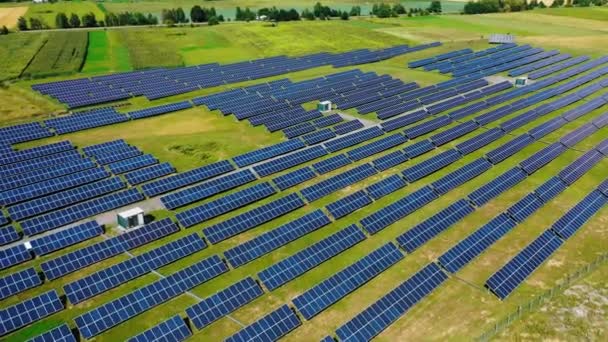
{"x":39,"y":1}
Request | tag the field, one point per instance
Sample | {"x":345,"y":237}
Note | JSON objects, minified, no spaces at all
{"x":48,"y":11}
{"x":458,"y":310}
{"x":9,"y":15}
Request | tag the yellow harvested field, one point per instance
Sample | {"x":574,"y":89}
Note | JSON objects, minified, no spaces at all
{"x":9,"y":15}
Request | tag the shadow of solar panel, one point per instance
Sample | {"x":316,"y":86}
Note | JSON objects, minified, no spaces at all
{"x":18,"y":282}
{"x":376,"y":146}
{"x":580,"y":166}
{"x":525,"y":207}
{"x":60,"y":334}
{"x":297,"y":264}
{"x":349,"y":204}
{"x":35,"y":152}
{"x":252,"y":218}
{"x":550,"y":189}
{"x":14,"y":255}
{"x":288,"y":161}
{"x":29,"y":311}
{"x":397,"y":210}
{"x":8,"y":234}
{"x":273,"y":239}
{"x":207,"y":189}
{"x":461,"y":175}
{"x":418,"y":148}
{"x":473,"y":245}
{"x":377,"y":317}
{"x":385,"y":186}
{"x":434,"y":225}
{"x":223,"y":302}
{"x":186,"y":178}
{"x":108,"y":278}
{"x":119,"y":310}
{"x":542,"y":157}
{"x":340,"y":181}
{"x":318,"y":136}
{"x":431,"y":165}
{"x":71,"y":236}
{"x":269,"y":328}
{"x":268,"y":152}
{"x":149,"y":173}
{"x":80,"y":211}
{"x":576,"y":217}
{"x":497,"y":186}
{"x":336,"y":287}
{"x":330,"y":164}
{"x":514,"y":272}
{"x":224,"y":204}
{"x":40,"y":163}
{"x":353,"y":139}
{"x":173,"y":329}
{"x":92,"y":254}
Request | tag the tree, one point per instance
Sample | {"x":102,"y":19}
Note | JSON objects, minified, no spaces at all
{"x":61,"y":20}
{"x":344,"y":15}
{"x":197,"y":15}
{"x":355,"y":11}
{"x":22,"y":24}
{"x":89,"y":20}
{"x":435,"y":7}
{"x":4,"y":30}
{"x":180,"y":16}
{"x":213,"y":21}
{"x":399,"y":9}
{"x":36,"y":24}
{"x":74,"y":20}
{"x":307,"y":14}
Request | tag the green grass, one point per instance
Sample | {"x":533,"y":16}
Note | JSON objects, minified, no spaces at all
{"x":594,"y":13}
{"x":16,"y":51}
{"x":47,"y":11}
{"x":106,"y":53}
{"x":64,"y":53}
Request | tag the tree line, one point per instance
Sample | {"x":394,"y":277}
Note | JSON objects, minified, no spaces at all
{"x":88,"y":20}
{"x":496,"y":6}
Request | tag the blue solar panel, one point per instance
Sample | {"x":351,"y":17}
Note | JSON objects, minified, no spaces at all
{"x":18,"y":282}
{"x":542,"y":157}
{"x":434,"y":225}
{"x":328,"y":120}
{"x":208,"y":189}
{"x":525,"y":207}
{"x":418,"y":148}
{"x":118,"y":155}
{"x":297,"y":130}
{"x":131,"y":164}
{"x":336,"y":287}
{"x":578,"y":135}
{"x":186,"y":178}
{"x":477,"y":242}
{"x":514,"y":272}
{"x":8,"y":234}
{"x":280,"y":236}
{"x":294,"y":178}
{"x":340,"y":181}
{"x":515,"y":145}
{"x":40,"y":163}
{"x":29,"y":311}
{"x":330,"y":164}
{"x":60,"y":334}
{"x":398,"y":210}
{"x":580,"y":166}
{"x":297,"y":264}
{"x":497,"y":186}
{"x":347,"y":127}
{"x":119,"y":310}
{"x":353,"y":139}
{"x":453,"y":133}
{"x":223,"y":302}
{"x":288,"y":161}
{"x":269,"y":328}
{"x":576,"y":217}
{"x":431,"y":165}
{"x":318,"y":136}
{"x":35,"y":152}
{"x":149,"y":173}
{"x":348,"y":204}
{"x":53,"y":242}
{"x":461,"y":176}
{"x":35,"y":176}
{"x":225,"y":204}
{"x":390,"y":160}
{"x":376,"y":146}
{"x":14,"y":255}
{"x":385,"y":186}
{"x":173,"y":329}
{"x":393,"y":305}
{"x":427,"y":127}
{"x":477,"y":142}
{"x":268,"y":152}
{"x":551,"y":188}
{"x":252,"y":218}
{"x":105,"y":147}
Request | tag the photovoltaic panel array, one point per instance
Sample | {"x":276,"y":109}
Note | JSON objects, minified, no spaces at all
{"x":327,"y":186}
{"x":385,"y":186}
{"x":461,"y":175}
{"x":348,"y":204}
{"x":149,"y":173}
{"x":18,"y":282}
{"x":393,"y":305}
{"x":329,"y":291}
{"x":497,"y":186}
{"x":288,"y":161}
{"x":295,"y":265}
{"x":60,"y":334}
{"x":14,"y":255}
{"x":273,"y":239}
{"x":223,"y":302}
{"x":119,"y":310}
{"x":576,"y":217}
{"x":64,"y":238}
{"x":174,"y":329}
{"x":269,"y":328}
{"x":29,"y":311}
{"x":8,"y":234}
{"x":268,"y":152}
{"x":294,"y":178}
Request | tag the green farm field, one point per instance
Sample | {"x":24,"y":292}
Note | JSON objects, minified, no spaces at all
{"x":460,"y":309}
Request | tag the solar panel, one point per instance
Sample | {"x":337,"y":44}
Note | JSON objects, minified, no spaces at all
{"x":223,"y":302}
{"x":252,"y":218}
{"x":576,"y":217}
{"x":418,"y":148}
{"x":513,"y":146}
{"x":329,"y":120}
{"x":336,"y":287}
{"x":477,"y":142}
{"x":208,"y":189}
{"x":542,"y":157}
{"x":288,"y":161}
{"x":29,"y":311}
{"x":14,"y":255}
{"x":349,"y":204}
{"x":173,"y":329}
{"x":514,"y":272}
{"x":121,"y":309}
{"x":71,"y":236}
{"x":390,"y":160}
{"x":347,"y":127}
{"x":131,"y":164}
{"x":35,"y":176}
{"x":431,"y":165}
{"x":273,"y":239}
{"x":497,"y":186}
{"x":385,"y":186}
{"x":398,"y":210}
{"x":477,"y":242}
{"x":60,"y":334}
{"x":297,"y":264}
{"x":551,"y":188}
{"x":225,"y":204}
{"x":461,"y":175}
{"x":453,"y":133}
{"x":18,"y":282}
{"x":35,"y":152}
{"x":186,"y":178}
{"x":92,"y":254}
{"x":427,"y":127}
{"x":580,"y":166}
{"x":434,"y":225}
{"x":39,"y":163}
{"x":8,"y":234}
{"x":118,"y":155}
{"x":318,"y":136}
{"x":149,"y":173}
{"x":353,"y":139}
{"x":268,"y":152}
{"x":330,"y":164}
{"x":525,"y":207}
{"x":105,"y":147}
{"x":377,"y":317}
{"x":294,"y":178}
{"x":103,"y":280}
{"x":376,"y":146}
{"x":340,"y":181}
{"x":578,"y":135}
{"x":269,"y":328}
